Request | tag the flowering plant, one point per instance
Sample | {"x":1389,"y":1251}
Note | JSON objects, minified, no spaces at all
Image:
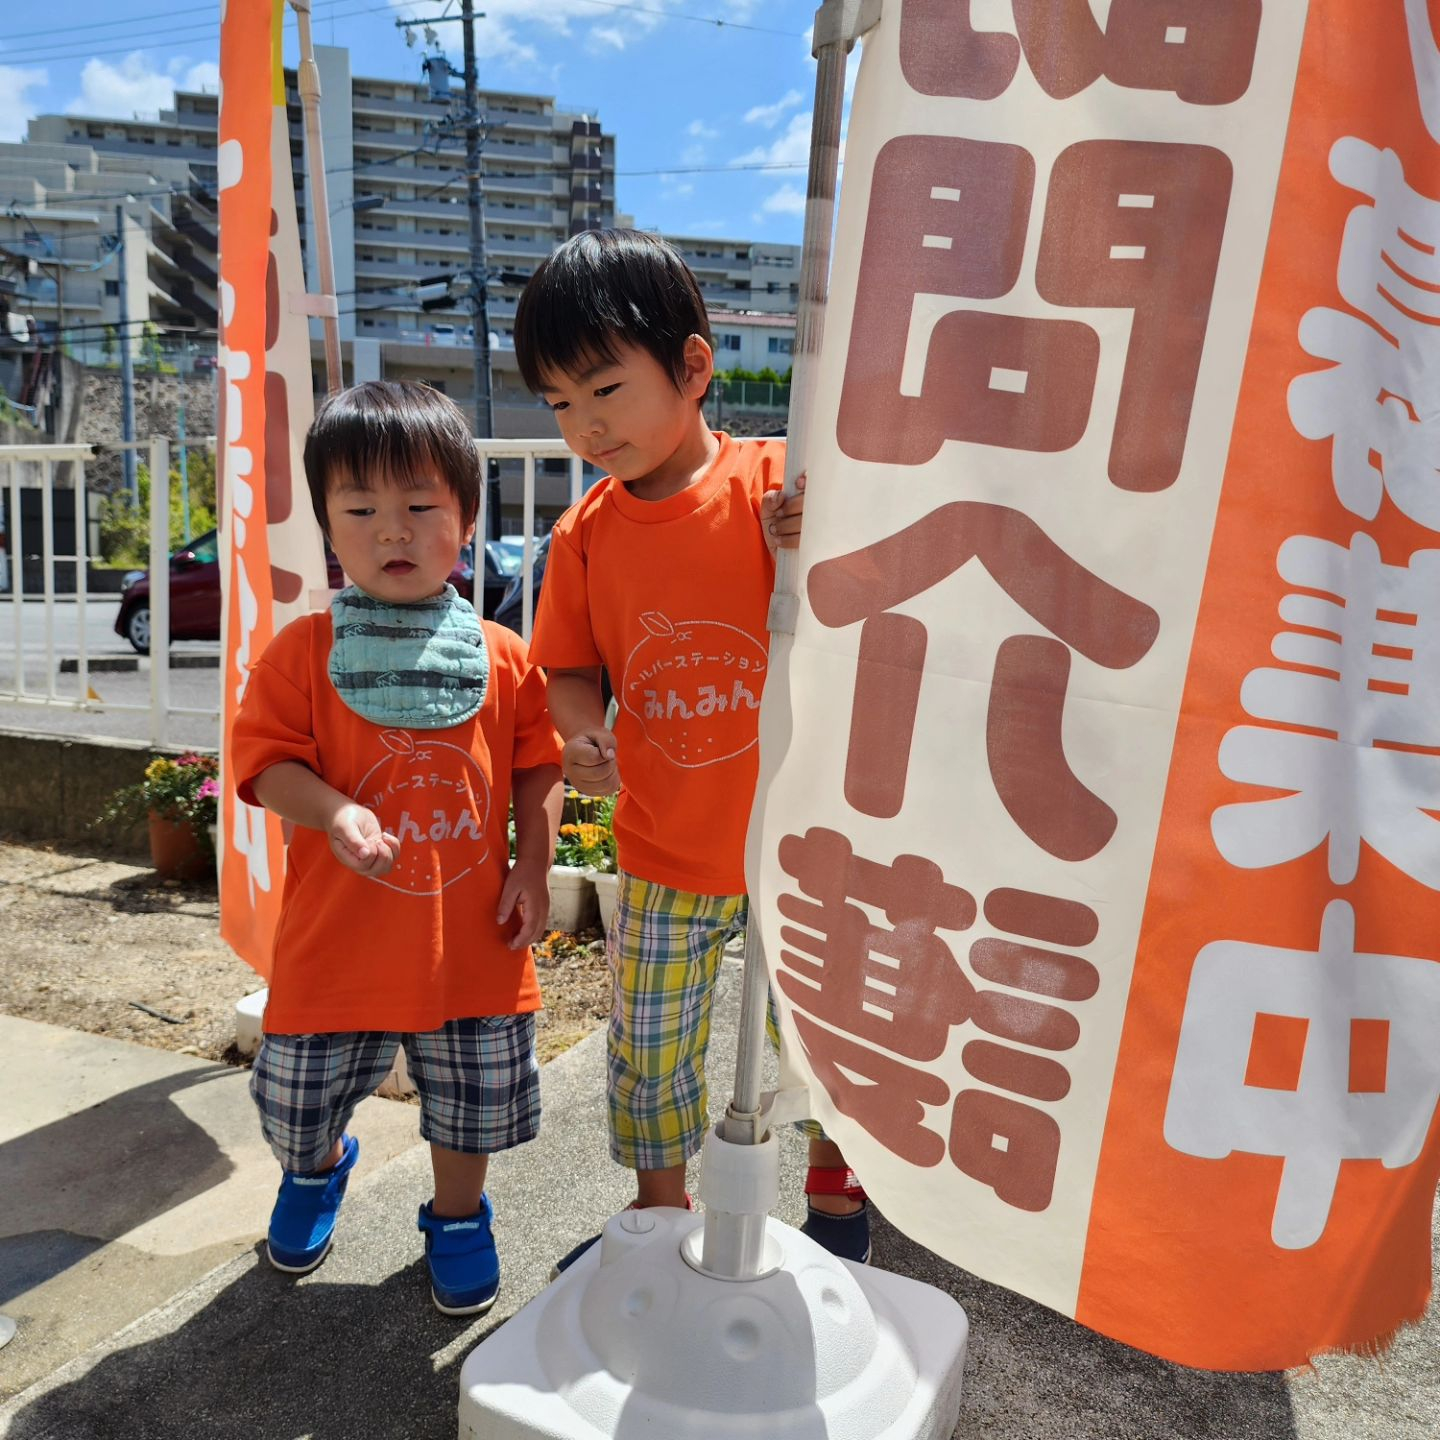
{"x":586,"y":838}
{"x":184,"y":791}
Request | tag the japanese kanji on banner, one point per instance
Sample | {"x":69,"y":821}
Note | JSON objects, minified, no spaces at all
{"x":1098,"y":879}
{"x":272,"y":556}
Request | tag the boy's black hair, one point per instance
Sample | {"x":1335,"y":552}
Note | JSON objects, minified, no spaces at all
{"x":398,"y":430}
{"x":602,"y":289}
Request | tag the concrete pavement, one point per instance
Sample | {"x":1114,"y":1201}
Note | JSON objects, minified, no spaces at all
{"x":356,"y":1350}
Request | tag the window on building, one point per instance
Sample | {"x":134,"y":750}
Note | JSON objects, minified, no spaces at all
{"x":727,"y":342}
{"x":112,"y":287}
{"x":781,"y":345}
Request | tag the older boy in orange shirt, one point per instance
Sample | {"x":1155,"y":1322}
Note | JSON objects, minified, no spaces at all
{"x":662,"y":574}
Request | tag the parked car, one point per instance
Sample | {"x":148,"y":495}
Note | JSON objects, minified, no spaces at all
{"x":508,"y":611}
{"x":195,"y":591}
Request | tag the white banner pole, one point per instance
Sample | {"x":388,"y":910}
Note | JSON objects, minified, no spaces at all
{"x":733,"y":1242}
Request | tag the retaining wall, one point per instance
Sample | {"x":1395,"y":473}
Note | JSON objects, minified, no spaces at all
{"x":53,"y":786}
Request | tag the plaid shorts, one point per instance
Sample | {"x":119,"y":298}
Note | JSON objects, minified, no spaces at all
{"x":665,"y":948}
{"x":478,"y":1080}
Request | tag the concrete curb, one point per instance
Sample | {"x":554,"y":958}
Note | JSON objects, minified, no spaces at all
{"x":130,"y":664}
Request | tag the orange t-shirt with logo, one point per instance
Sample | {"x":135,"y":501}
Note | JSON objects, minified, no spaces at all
{"x":671,"y":596}
{"x":418,"y":946}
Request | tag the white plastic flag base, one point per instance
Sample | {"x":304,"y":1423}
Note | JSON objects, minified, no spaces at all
{"x":632,"y":1340}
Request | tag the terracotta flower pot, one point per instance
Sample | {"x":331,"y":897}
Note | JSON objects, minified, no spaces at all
{"x":176,"y":851}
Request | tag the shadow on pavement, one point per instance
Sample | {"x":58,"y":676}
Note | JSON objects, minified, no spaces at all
{"x":1094,"y":1388}
{"x":274,"y":1358}
{"x":74,"y":1184}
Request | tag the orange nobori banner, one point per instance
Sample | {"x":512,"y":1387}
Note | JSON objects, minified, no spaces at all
{"x":271,"y":552}
{"x":1103,"y":910}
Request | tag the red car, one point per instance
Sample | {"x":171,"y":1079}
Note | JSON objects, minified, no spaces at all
{"x":195,"y":592}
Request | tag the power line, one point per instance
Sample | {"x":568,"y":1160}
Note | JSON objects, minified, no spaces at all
{"x":190,"y":33}
{"x":128,"y":20}
{"x":720,"y":169}
{"x":111,"y":24}
{"x":698,"y":19}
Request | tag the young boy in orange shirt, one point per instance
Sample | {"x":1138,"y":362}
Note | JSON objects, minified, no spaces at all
{"x":662,"y":574}
{"x":393,"y":732}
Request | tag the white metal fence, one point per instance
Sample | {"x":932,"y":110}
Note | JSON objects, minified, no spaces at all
{"x":28,"y":467}
{"x":14,"y":459}
{"x":529,"y":451}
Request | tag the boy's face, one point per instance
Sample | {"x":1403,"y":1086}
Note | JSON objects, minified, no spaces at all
{"x":629,"y":417}
{"x":397,"y":543}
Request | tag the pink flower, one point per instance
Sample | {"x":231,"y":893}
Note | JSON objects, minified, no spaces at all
{"x":208,"y":790}
{"x":188,"y":760}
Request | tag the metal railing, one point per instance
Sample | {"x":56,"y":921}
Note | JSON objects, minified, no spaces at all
{"x":752,"y":394}
{"x":529,"y":451}
{"x":46,"y":457}
{"x":20,"y":549}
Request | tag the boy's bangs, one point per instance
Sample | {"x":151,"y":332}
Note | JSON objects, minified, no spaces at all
{"x":403,"y":466}
{"x":564,"y":345}
{"x":400,"y":432}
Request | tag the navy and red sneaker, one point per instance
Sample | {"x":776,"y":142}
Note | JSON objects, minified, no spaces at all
{"x":847,"y":1236}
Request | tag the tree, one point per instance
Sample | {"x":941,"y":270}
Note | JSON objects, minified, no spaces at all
{"x":151,"y":352}
{"x":125,"y":528}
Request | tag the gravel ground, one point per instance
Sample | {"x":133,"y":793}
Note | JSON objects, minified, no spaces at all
{"x":89,"y":941}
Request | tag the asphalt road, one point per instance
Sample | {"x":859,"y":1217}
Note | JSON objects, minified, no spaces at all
{"x":49,"y":706}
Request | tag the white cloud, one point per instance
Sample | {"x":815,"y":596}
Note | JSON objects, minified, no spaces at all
{"x":204,"y":76}
{"x":787,"y":200}
{"x":692,"y":155}
{"x":15,"y":110}
{"x":701,"y":130}
{"x":770,"y":115}
{"x":508,"y":28}
{"x":136,"y":85}
{"x":790,"y":148}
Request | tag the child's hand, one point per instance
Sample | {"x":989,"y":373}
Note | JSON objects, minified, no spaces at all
{"x":589,"y":762}
{"x":780,"y":518}
{"x":526,"y":895}
{"x":358,"y":842}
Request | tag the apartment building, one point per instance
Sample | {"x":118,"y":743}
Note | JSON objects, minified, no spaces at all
{"x":749,"y":275}
{"x":394,"y":157}
{"x":60,"y":199}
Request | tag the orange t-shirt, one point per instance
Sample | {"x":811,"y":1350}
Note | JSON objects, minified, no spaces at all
{"x":418,"y":946}
{"x":671,"y":596}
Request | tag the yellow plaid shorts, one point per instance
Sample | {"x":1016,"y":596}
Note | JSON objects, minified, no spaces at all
{"x":664,"y":948}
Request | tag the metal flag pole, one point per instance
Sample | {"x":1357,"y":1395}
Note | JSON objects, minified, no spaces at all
{"x":733,"y":1243}
{"x":324,"y":305}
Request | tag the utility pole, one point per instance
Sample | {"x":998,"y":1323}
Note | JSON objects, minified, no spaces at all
{"x":479,"y":306}
{"x":127,"y":372}
{"x":183,"y":375}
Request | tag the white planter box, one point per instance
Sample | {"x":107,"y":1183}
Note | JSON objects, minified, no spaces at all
{"x":607,"y":887}
{"x":249,"y":1030}
{"x":572,"y":898}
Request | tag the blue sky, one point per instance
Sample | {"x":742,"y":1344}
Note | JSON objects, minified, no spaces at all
{"x":690,"y":102}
